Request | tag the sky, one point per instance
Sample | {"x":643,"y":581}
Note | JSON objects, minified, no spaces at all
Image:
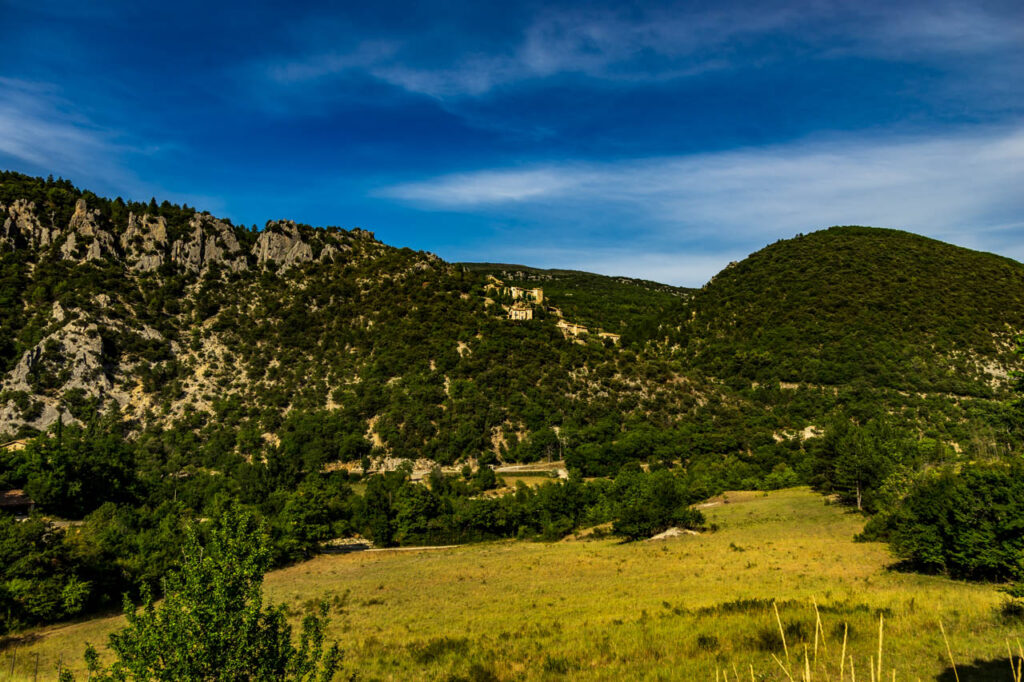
{"x":648,"y":139}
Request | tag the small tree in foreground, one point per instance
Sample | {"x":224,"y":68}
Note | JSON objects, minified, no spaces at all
{"x":212,"y":625}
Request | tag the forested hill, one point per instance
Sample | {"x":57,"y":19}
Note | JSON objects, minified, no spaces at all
{"x":210,"y":344}
{"x":860,"y":306}
{"x":212,"y":341}
{"x":616,"y":304}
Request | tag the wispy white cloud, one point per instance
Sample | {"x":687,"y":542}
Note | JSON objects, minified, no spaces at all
{"x":938,"y":28}
{"x":40,"y":128}
{"x":366,"y":55}
{"x":43,"y":132}
{"x":494,"y":187}
{"x":964,"y":188}
{"x":661,"y":44}
{"x":596,"y":43}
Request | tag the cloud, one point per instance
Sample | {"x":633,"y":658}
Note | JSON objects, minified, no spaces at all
{"x":42,"y":132}
{"x":597,"y":43}
{"x":940,"y":28}
{"x":490,"y":187}
{"x":963,"y":188}
{"x":39,"y":128}
{"x":366,"y":56}
{"x":662,"y":43}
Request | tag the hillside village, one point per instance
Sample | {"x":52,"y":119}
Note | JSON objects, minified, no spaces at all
{"x":525,"y":301}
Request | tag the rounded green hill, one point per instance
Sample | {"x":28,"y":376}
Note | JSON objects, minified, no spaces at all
{"x":859,"y":304}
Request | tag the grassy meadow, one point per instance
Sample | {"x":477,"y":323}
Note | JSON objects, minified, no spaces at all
{"x":688,"y":608}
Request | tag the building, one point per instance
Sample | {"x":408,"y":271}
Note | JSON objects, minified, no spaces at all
{"x":15,"y":445}
{"x":534,"y":295}
{"x":571,"y":328}
{"x":16,"y":502}
{"x":609,"y":335}
{"x":520,"y":311}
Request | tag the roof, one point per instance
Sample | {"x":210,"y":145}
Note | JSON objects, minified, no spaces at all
{"x":15,"y":498}
{"x":20,"y":443}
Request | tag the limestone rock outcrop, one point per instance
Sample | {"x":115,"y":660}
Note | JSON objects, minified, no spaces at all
{"x":86,"y":239}
{"x":72,"y":353}
{"x":20,"y":228}
{"x":144,"y":243}
{"x":69,"y":357}
{"x":281,"y":243}
{"x":208,"y":241}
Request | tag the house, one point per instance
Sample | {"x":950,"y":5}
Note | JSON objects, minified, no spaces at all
{"x":15,"y":444}
{"x":609,"y":335}
{"x":534,"y":295}
{"x":520,"y":311}
{"x":571,"y":328}
{"x":16,"y":502}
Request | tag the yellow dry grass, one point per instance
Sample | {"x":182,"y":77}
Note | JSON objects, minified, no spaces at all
{"x":689,"y":608}
{"x":530,"y":480}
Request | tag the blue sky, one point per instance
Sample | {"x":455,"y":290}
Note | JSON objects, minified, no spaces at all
{"x":657,"y":140}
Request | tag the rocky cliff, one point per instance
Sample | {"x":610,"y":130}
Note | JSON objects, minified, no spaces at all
{"x":96,"y":347}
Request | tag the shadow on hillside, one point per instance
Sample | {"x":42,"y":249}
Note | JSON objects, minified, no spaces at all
{"x":905,"y":566}
{"x":978,"y":671}
{"x":17,"y":641}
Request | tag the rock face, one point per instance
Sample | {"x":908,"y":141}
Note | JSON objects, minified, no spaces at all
{"x":209,"y":241}
{"x":91,"y":349}
{"x":70,"y":357}
{"x":147,"y":242}
{"x":20,"y":228}
{"x":281,"y":243}
{"x":85,"y":234}
{"x":144,"y":243}
{"x":73,"y":353}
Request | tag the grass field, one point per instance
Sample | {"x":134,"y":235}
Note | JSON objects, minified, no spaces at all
{"x":690,"y":608}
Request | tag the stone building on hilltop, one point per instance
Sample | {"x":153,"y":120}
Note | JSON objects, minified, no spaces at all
{"x":532,"y":295}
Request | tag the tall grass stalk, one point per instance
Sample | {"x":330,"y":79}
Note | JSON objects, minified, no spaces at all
{"x":949,"y":651}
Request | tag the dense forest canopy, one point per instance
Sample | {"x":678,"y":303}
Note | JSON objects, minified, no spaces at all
{"x":854,"y":304}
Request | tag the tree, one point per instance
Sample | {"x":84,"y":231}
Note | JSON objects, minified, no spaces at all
{"x":855,"y":461}
{"x":647,"y":504}
{"x":966,"y":521}
{"x":39,"y":580}
{"x":212,"y":624}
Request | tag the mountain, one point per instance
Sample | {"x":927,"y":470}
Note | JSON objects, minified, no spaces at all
{"x":215,"y":341}
{"x":164,"y":364}
{"x":211,"y":343}
{"x":861,"y":306}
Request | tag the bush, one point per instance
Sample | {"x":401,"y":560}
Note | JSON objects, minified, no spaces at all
{"x":215,"y":604}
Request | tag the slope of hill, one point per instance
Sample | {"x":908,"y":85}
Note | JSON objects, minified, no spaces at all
{"x":848,"y":305}
{"x":285,"y":335}
{"x":615,"y":304}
